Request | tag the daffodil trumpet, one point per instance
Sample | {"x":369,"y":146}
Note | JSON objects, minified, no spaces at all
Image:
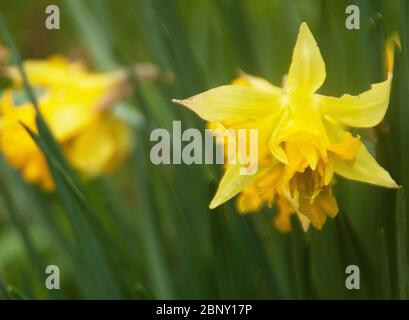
{"x":303,"y":138}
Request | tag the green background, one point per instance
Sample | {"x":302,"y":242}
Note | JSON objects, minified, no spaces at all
{"x":145,"y":231}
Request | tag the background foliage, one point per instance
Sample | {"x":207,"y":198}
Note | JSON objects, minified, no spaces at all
{"x":145,"y":231}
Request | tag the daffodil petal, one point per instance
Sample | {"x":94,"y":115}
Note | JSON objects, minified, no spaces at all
{"x":69,"y":119}
{"x":318,"y":208}
{"x":246,"y":79}
{"x":310,"y":154}
{"x":365,"y":169}
{"x":249,"y":200}
{"x":278,"y":137}
{"x":283,"y":218}
{"x":58,"y":71}
{"x":307,"y":70}
{"x":232,"y":103}
{"x":230,"y":185}
{"x":348,"y":149}
{"x":329,"y":173}
{"x":96,"y":149}
{"x":305,"y":222}
{"x":6,"y":101}
{"x":364,"y":111}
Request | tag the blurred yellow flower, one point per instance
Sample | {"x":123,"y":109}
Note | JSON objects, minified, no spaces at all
{"x":303,"y":138}
{"x":75,"y":104}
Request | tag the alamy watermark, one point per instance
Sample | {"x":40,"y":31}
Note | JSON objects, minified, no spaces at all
{"x":220,"y":146}
{"x":52,"y":21}
{"x":52,"y":282}
{"x":352,"y":282}
{"x":353,"y":20}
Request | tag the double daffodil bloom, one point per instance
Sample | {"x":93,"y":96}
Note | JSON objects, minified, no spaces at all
{"x":303,"y":138}
{"x":74,"y":103}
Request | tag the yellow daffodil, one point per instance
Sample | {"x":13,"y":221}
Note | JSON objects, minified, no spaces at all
{"x":303,"y":138}
{"x":74,"y":103}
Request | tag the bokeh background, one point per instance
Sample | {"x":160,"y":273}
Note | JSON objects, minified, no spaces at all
{"x":144,"y":231}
